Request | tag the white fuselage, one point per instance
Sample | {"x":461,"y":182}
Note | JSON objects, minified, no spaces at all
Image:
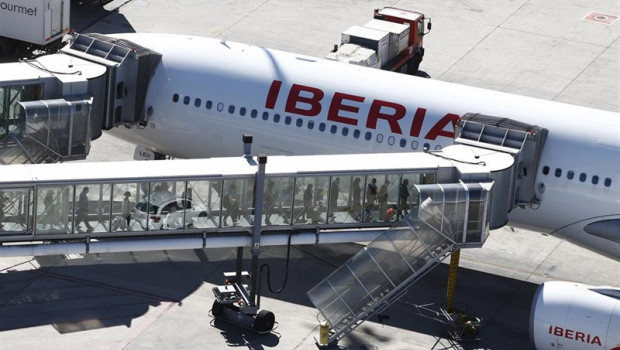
{"x":206,"y":94}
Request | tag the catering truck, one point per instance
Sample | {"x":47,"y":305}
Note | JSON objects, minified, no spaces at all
{"x":392,"y":40}
{"x":26,"y":25}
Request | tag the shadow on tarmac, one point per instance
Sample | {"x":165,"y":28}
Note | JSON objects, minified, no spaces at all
{"x":106,"y":290}
{"x":88,"y":12}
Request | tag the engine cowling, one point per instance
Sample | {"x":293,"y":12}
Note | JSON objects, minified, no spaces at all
{"x":567,"y":316}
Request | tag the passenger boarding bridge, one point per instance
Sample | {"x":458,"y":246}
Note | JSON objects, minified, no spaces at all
{"x":84,"y":202}
{"x":415,"y":208}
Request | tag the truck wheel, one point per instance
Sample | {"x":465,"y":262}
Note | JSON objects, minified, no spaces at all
{"x":6,"y":47}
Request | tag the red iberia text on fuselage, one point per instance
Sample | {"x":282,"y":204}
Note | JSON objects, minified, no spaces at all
{"x":310,"y":101}
{"x":575,"y":335}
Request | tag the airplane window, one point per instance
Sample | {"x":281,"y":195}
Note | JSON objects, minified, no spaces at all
{"x":311,"y":124}
{"x":570,"y":174}
{"x":322,"y":127}
{"x":345,"y":131}
{"x":299,"y":122}
{"x":583,"y":177}
{"x":209,"y":104}
{"x":175,"y":98}
{"x":265,"y":115}
{"x":607,"y":182}
{"x":403,"y":143}
{"x":220,"y":107}
{"x":595,"y":179}
{"x":242,"y":111}
{"x":414,"y":144}
{"x":333,"y":129}
{"x":231,"y":109}
{"x":545,"y":170}
{"x":391,"y":140}
{"x":287,"y":120}
{"x":438,"y":148}
{"x":368,"y":136}
{"x":558,"y":172}
{"x":186,"y":100}
{"x":427,"y":146}
{"x":379,"y":138}
{"x":276,"y":118}
{"x":197,"y":102}
{"x":254,"y":113}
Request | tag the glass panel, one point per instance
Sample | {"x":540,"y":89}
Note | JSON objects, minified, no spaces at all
{"x":125,"y":210}
{"x":454,"y":211}
{"x":202,"y":204}
{"x":165,"y":205}
{"x":475,"y":225}
{"x":15,"y":210}
{"x":339,"y":206}
{"x":431,"y":206}
{"x":354,"y":202}
{"x":280,"y":212}
{"x":310,"y":199}
{"x":3,"y":113}
{"x":238,"y":202}
{"x":92,"y":208}
{"x":407,"y":197}
{"x":381,"y":200}
{"x":52,"y":209}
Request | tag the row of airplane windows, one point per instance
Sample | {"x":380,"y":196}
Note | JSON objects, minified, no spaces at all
{"x":299,"y":122}
{"x":582,"y":177}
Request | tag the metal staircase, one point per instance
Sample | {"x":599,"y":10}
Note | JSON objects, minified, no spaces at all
{"x":378,"y":275}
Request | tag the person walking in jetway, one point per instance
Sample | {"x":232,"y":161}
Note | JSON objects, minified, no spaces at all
{"x":382,"y":197}
{"x":126,"y":212}
{"x":3,"y":200}
{"x":230,"y":202}
{"x":285,"y":200}
{"x":356,"y":205}
{"x":371,"y":197}
{"x":333,"y":199}
{"x":403,"y":198}
{"x":49,"y":210}
{"x":308,"y":211}
{"x":269,"y":201}
{"x":82,"y":211}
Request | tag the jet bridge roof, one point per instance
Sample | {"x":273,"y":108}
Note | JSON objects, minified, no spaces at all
{"x":64,"y":67}
{"x":470,"y":160}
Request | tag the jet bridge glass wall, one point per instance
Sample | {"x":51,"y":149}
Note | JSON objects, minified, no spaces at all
{"x":10,"y":96}
{"x":169,"y":206}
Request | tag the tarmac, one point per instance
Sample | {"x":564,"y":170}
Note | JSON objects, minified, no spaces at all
{"x":551,"y":49}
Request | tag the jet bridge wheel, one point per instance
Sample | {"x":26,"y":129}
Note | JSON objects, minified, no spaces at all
{"x":264,"y":322}
{"x":217,"y":309}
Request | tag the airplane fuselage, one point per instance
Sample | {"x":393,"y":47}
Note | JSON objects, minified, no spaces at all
{"x":206,"y":93}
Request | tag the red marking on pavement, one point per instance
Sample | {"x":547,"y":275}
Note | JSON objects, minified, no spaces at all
{"x":601,"y":18}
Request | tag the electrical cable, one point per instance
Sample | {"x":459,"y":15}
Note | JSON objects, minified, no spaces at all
{"x":42,"y":67}
{"x":286,"y":268}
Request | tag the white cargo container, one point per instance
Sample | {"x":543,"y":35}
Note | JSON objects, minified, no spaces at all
{"x":38,"y":22}
{"x":355,"y":54}
{"x":399,"y":35}
{"x":373,"y":39}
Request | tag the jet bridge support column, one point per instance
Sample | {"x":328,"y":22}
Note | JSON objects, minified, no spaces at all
{"x":452,"y":274}
{"x":235,"y":301}
{"x":256,"y":229}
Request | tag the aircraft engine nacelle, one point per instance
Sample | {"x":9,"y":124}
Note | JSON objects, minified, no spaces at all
{"x":569,"y":316}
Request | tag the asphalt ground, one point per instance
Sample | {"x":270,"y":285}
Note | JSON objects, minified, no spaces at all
{"x":555,"y":50}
